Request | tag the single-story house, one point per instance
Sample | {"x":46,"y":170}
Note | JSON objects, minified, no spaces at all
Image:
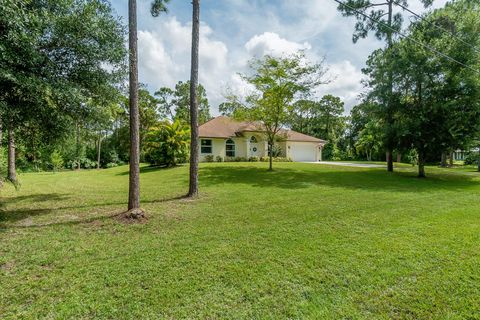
{"x":226,"y":137}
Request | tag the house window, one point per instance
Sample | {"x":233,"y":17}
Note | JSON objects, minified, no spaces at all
{"x":253,"y":139}
{"x":206,"y":146}
{"x":230,"y":148}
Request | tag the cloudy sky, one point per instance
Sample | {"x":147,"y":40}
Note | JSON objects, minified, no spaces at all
{"x":234,"y":31}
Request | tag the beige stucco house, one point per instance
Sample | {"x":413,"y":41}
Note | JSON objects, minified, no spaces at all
{"x":226,"y":137}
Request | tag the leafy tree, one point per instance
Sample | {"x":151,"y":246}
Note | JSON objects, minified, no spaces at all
{"x":167,"y":143}
{"x":380,"y":19}
{"x":369,"y":139}
{"x":176,"y":102}
{"x":279,"y":83}
{"x":439,"y":97}
{"x":56,"y":160}
{"x":53,"y":60}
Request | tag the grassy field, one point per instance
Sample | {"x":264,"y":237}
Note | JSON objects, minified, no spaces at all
{"x":306,"y":241}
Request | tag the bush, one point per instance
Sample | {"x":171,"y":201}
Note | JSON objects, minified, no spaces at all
{"x":472,"y":158}
{"x":240,"y":159}
{"x":276,"y":151}
{"x":209,"y":158}
{"x":167,"y":144}
{"x":56,"y":160}
{"x":111,"y":165}
{"x":219,"y":159}
{"x":253,"y":159}
{"x":229,"y":159}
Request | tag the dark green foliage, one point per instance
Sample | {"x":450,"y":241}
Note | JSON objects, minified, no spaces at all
{"x":167,"y":144}
{"x":176,"y":102}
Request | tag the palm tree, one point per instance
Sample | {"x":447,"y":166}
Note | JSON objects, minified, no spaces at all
{"x":193,"y":188}
{"x":134,"y":177}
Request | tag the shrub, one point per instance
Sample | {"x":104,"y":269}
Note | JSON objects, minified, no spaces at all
{"x":253,"y":159}
{"x":209,"y":158}
{"x":264,"y":159}
{"x":219,"y":159}
{"x":167,"y":144}
{"x":229,"y":159}
{"x":111,"y":165}
{"x":56,"y":160}
{"x":240,"y":159}
{"x":276,"y":151}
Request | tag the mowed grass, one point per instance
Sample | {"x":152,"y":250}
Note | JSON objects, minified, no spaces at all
{"x":306,"y":241}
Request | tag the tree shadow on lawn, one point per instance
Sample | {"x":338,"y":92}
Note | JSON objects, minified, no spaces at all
{"x":8,"y":217}
{"x":149,"y":169}
{"x":351,"y":178}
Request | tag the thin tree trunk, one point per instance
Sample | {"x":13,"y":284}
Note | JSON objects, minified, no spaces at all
{"x":1,"y":133}
{"x":99,"y":149}
{"x":421,"y":165}
{"x":78,"y":146}
{"x":193,"y":187}
{"x":134,"y":176}
{"x":389,"y":157}
{"x":443,"y":161}
{"x":270,"y":158}
{"x":399,"y":157}
{"x":451,"y":159}
{"x":12,"y":171}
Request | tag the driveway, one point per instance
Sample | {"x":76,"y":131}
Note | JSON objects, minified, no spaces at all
{"x":351,"y":164}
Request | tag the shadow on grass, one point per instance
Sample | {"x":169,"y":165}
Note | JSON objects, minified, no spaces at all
{"x":12,"y":216}
{"x":353,"y":178}
{"x":149,"y":169}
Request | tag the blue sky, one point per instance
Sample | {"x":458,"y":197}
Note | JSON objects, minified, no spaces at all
{"x":234,"y":31}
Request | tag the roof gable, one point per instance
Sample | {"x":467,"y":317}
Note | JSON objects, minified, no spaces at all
{"x":226,"y":127}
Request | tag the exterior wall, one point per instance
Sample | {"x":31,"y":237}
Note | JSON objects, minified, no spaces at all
{"x":243,"y":148}
{"x":218,"y":149}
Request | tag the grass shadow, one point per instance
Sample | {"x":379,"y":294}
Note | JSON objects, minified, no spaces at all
{"x":351,"y":178}
{"x":150,"y":169}
{"x":8,"y":218}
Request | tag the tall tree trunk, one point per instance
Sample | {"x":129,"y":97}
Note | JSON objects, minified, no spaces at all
{"x":99,"y":149}
{"x":399,"y":157}
{"x":193,"y":188}
{"x":12,"y":171}
{"x":421,"y":165}
{"x":451,"y":159}
{"x":390,"y":88}
{"x":134,"y":176}
{"x":443,"y":161}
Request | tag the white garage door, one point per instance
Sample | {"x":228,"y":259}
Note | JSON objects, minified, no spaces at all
{"x":303,"y":152}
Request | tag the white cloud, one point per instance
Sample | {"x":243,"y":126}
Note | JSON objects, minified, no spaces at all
{"x":272,"y":44}
{"x":164,"y":57}
{"x":347,"y":84}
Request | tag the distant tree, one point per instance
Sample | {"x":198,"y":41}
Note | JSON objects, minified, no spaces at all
{"x":279,"y":84}
{"x":176,"y":102}
{"x":370,"y":139}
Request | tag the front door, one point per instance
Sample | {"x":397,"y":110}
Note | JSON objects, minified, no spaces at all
{"x":254,"y":147}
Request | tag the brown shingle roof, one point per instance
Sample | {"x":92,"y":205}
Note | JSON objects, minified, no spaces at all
{"x":225,"y":127}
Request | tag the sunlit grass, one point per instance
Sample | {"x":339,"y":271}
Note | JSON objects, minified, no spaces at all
{"x":305,"y":241}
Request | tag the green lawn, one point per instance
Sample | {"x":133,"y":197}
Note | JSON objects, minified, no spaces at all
{"x":306,"y":241}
